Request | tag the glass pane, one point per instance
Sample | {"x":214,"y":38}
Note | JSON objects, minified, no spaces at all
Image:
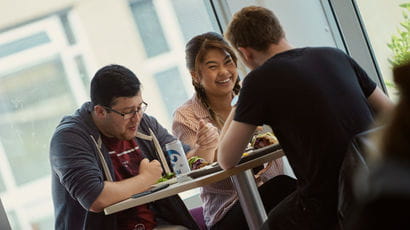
{"x":2,"y":186}
{"x":40,"y":88}
{"x":23,"y":44}
{"x":384,"y":21}
{"x":43,"y":224}
{"x":15,"y":224}
{"x":192,"y":21}
{"x":67,"y":29}
{"x":149,"y":27}
{"x":169,"y":83}
{"x":32,"y":102}
{"x":82,"y":72}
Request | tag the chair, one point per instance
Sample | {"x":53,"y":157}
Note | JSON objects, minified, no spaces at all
{"x":197,"y":214}
{"x":354,"y":162}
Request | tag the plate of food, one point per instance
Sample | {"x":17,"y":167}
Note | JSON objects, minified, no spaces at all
{"x":201,"y":167}
{"x":263,"y":139}
{"x":196,"y":162}
{"x":261,"y":144}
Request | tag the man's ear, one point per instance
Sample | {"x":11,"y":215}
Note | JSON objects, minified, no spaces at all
{"x":99,"y":110}
{"x":245,"y":53}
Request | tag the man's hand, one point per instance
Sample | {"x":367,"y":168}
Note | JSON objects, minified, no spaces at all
{"x":150,"y":171}
{"x":114,"y":191}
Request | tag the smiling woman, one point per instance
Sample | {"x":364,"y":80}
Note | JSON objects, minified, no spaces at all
{"x":212,"y":64}
{"x":213,"y":67}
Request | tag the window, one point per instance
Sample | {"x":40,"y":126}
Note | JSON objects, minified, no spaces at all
{"x":164,"y":27}
{"x":42,"y":78}
{"x":170,"y":84}
{"x":32,"y":99}
{"x":2,"y":186}
{"x":382,"y":21}
{"x":83,"y":73}
{"x":46,"y":61}
{"x":149,"y":27}
{"x":24,"y":43}
{"x":194,"y":21}
{"x":15,"y":224}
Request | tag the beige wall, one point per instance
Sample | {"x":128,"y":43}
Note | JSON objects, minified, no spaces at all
{"x":13,"y":12}
{"x":112,"y":39}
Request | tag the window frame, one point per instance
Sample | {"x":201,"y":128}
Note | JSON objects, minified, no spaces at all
{"x":345,"y":23}
{"x":36,"y":207}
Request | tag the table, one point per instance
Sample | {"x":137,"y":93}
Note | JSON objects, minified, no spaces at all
{"x":241,"y":175}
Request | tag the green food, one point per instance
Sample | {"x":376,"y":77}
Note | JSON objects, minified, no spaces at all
{"x":166,"y":177}
{"x":192,"y":160}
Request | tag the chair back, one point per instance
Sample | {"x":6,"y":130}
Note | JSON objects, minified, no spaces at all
{"x":197,"y":214}
{"x":354,"y":162}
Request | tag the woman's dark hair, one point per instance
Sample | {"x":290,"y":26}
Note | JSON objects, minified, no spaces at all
{"x":111,"y":82}
{"x":195,"y":51}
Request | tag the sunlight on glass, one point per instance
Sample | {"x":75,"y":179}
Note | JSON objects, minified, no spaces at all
{"x":48,"y":55}
{"x":387,"y":25}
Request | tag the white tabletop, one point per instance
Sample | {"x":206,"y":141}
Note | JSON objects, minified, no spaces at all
{"x":176,"y":188}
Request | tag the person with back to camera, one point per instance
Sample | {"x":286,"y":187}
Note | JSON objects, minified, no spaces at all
{"x":384,"y":194}
{"x":213,"y":67}
{"x":315,"y":100}
{"x":105,"y":152}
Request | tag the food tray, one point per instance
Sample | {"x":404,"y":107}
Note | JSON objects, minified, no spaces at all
{"x":250,"y":155}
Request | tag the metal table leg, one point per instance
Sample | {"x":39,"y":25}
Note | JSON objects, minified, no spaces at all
{"x":250,"y":199}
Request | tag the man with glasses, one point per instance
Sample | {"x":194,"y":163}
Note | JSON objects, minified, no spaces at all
{"x":101,"y":155}
{"x":128,"y":115}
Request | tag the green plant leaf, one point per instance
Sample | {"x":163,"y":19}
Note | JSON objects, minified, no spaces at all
{"x":400,"y":42}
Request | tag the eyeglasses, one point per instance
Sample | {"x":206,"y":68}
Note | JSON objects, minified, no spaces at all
{"x":140,"y":110}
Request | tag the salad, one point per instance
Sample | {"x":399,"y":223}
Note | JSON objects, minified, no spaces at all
{"x":196,"y":162}
{"x":166,"y":177}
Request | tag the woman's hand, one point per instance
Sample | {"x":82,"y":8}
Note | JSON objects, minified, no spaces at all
{"x":206,"y":141}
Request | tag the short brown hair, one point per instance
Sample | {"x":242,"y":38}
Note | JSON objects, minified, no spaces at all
{"x":254,"y":27}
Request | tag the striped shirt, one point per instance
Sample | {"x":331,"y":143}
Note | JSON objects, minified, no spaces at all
{"x":218,"y":197}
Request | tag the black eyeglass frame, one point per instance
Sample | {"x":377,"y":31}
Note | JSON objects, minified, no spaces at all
{"x":129,"y":115}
